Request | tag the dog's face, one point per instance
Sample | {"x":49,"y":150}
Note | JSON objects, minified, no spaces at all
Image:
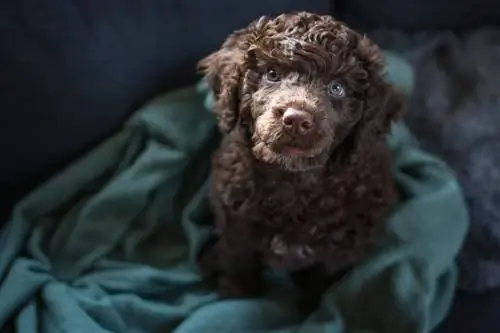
{"x":297,"y":118}
{"x":300,"y":84}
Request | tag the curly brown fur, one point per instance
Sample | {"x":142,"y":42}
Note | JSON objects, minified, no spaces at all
{"x":308,"y":192}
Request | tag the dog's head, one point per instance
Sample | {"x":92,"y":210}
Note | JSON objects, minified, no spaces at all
{"x":301,"y":84}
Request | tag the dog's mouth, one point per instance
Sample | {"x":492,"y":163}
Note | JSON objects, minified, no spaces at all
{"x":291,"y":150}
{"x":294,"y":151}
{"x":290,"y":157}
{"x":301,"y":147}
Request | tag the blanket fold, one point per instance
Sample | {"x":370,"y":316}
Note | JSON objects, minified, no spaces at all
{"x":109,"y":244}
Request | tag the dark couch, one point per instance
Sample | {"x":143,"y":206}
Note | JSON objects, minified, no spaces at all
{"x":73,"y":70}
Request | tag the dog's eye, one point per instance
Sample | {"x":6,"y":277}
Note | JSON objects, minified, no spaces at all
{"x":272,"y":76}
{"x":336,"y":89}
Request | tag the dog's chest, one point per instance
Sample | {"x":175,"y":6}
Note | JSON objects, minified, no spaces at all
{"x":300,"y":198}
{"x":294,"y":198}
{"x":300,"y":219}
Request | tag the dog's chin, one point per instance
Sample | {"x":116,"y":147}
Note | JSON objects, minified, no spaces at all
{"x":289,"y":158}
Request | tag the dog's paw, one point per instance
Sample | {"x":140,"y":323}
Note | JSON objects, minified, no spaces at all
{"x":229,"y":288}
{"x":280,"y":248}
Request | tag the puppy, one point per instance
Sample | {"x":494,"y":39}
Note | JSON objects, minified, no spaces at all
{"x":302,"y":179}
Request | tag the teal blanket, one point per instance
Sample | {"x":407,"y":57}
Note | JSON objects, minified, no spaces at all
{"x":109,"y":244}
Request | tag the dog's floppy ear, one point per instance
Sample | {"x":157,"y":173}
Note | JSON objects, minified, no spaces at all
{"x":223,"y":71}
{"x":387,"y":107}
{"x":384,"y":102}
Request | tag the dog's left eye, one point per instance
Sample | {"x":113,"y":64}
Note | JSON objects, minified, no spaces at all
{"x":272,"y":75}
{"x":336,"y":89}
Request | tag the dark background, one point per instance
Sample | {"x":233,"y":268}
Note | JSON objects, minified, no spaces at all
{"x":72,"y":70}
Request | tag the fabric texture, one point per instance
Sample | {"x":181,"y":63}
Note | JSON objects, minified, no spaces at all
{"x":109,"y":244}
{"x":419,"y":15}
{"x":454,"y":111}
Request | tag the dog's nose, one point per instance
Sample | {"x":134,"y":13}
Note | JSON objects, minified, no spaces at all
{"x":298,"y":120}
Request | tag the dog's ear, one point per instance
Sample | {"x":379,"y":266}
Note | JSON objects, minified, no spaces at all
{"x":223,"y":71}
{"x":385,"y":107}
{"x":384,"y":102}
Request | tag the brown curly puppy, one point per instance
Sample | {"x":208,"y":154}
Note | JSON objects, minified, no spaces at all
{"x":302,"y":179}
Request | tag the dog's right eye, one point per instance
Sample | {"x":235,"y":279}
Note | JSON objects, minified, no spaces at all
{"x":272,"y":75}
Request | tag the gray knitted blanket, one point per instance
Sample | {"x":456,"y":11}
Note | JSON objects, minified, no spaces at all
{"x":455,"y":113}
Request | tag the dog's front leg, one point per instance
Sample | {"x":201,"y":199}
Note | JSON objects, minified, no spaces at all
{"x":312,"y":282}
{"x":239,"y":267}
{"x":233,"y":262}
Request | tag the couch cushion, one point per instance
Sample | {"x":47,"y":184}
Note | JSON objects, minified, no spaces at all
{"x":420,"y":14}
